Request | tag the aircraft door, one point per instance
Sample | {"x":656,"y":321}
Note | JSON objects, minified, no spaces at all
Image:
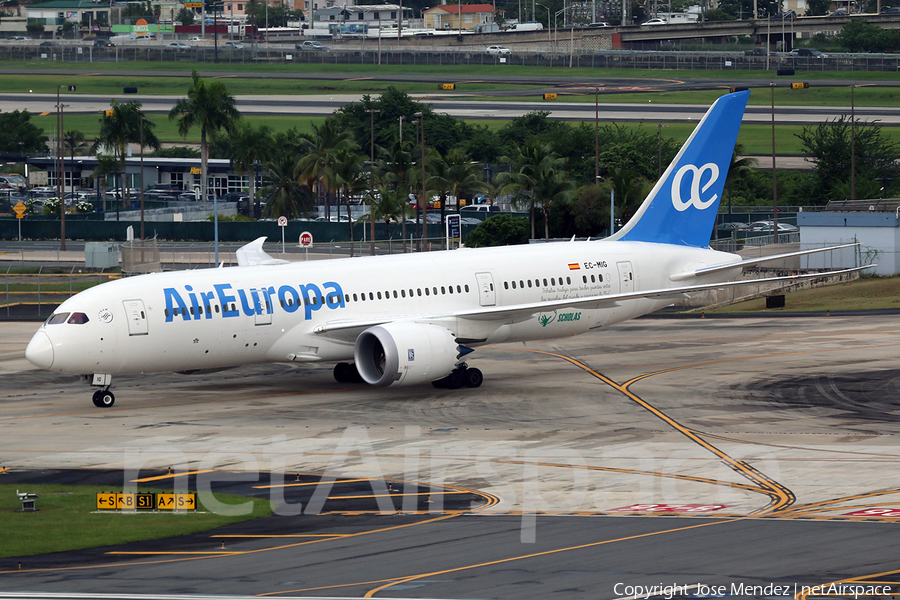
{"x":626,"y":277}
{"x":263,"y":305}
{"x":137,"y":317}
{"x":486,"y":294}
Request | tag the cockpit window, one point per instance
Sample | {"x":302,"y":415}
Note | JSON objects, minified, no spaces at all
{"x":78,"y":319}
{"x":57,"y":318}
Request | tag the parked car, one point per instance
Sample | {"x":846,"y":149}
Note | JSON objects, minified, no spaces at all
{"x":178,"y":46}
{"x":101,"y":43}
{"x":892,"y":10}
{"x":655,"y":21}
{"x":19,"y":38}
{"x":311,"y":45}
{"x":598,"y":24}
{"x":841,"y":12}
{"x":758,"y":51}
{"x":234,"y":45}
{"x":49,"y":44}
{"x":769,"y":227}
{"x":789,"y":14}
{"x":807,"y":53}
{"x":196,"y":38}
{"x":497,"y":50}
{"x":479,"y":208}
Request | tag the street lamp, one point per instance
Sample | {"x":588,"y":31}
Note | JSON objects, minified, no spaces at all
{"x":372,"y":112}
{"x":852,"y":142}
{"x":774,"y":174}
{"x":61,"y":166}
{"x":257,"y":213}
{"x":424,"y":194}
{"x":549,"y":33}
{"x":659,"y":128}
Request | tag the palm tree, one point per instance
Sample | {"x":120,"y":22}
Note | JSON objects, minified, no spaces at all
{"x":318,"y":164}
{"x":74,"y":140}
{"x":630,"y":189}
{"x":552,"y":188}
{"x":453,"y":175}
{"x":121,"y":126}
{"x":249,"y":146}
{"x":210,"y":107}
{"x":285,"y":196}
{"x":348,"y":169}
{"x":397,"y":172}
{"x":526,"y":169}
{"x":389,"y":204}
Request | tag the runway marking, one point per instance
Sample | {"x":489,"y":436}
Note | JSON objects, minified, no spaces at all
{"x":809,"y":449}
{"x":172,"y":476}
{"x":833,"y":501}
{"x":284,"y":485}
{"x":780,"y":497}
{"x":209,"y":556}
{"x":286,"y":535}
{"x":404,"y":580}
{"x":396,"y":495}
{"x":174,"y":552}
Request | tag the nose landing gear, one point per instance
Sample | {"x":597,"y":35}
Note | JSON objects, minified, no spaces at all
{"x":103,"y":398}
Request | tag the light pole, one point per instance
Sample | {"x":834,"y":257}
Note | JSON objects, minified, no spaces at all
{"x":61,"y":166}
{"x":142,"y":180}
{"x":372,"y":112}
{"x":774,"y":174}
{"x":659,"y":128}
{"x":549,"y":33}
{"x":597,"y":135}
{"x":254,"y":196}
{"x":424,"y":198}
{"x":852,"y":142}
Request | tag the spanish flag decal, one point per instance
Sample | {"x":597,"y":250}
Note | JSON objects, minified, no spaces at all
{"x":574,"y":266}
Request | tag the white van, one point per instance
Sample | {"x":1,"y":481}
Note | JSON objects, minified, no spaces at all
{"x":527,"y":26}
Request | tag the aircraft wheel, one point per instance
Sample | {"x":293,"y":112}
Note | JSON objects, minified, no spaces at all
{"x":342,"y":372}
{"x":455,"y":380}
{"x":105,"y":399}
{"x":440,"y":383}
{"x":96,"y":398}
{"x":473,"y":378}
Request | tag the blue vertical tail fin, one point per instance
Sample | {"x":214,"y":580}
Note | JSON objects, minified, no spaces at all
{"x":682,"y":207}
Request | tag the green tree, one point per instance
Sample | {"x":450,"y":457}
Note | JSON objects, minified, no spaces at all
{"x":828,"y":146}
{"x":185,"y":16}
{"x":73,"y":140}
{"x":396,"y":168}
{"x":19,"y":134}
{"x":552,"y":189}
{"x":351,"y":178}
{"x":248,"y":146}
{"x":861,"y":36}
{"x":126,"y":124}
{"x":739,"y":168}
{"x":499,"y":230}
{"x":455,"y":175}
{"x":210,"y":107}
{"x":533,"y":163}
{"x":318,"y":164}
{"x":176,"y":152}
{"x":285,"y":196}
{"x":817,"y":8}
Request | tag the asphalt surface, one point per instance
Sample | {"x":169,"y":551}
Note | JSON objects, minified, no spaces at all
{"x":773,"y":441}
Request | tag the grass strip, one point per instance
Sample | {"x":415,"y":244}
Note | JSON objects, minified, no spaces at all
{"x":867,"y":293}
{"x":67,"y":519}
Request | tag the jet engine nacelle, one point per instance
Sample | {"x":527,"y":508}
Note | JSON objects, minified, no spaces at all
{"x":405,"y":354}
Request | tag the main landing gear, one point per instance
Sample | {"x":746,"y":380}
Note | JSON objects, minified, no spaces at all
{"x":346,"y":373}
{"x":462,"y":376}
{"x":103,"y":398}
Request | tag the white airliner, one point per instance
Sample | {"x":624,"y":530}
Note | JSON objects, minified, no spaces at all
{"x":413,"y":318}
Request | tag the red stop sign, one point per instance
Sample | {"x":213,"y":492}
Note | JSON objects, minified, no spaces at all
{"x":306,"y":239}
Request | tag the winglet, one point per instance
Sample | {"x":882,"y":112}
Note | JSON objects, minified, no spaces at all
{"x":252,"y":254}
{"x":681,"y":208}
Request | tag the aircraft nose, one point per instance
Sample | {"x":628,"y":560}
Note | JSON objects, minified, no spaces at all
{"x":40,"y":351}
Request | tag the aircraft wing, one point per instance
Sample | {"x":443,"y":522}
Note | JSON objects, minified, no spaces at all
{"x":751,"y":262}
{"x":523,"y":312}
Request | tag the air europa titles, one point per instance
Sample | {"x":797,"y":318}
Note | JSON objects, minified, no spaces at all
{"x":190,"y":304}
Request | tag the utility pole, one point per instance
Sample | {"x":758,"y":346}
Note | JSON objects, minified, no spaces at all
{"x":372,"y":112}
{"x":852,"y":142}
{"x":424,"y":193}
{"x":774,"y":174}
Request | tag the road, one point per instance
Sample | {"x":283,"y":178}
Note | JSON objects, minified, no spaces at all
{"x":466,"y":109}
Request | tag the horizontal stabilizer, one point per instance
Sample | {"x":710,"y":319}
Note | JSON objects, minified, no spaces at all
{"x":252,"y":254}
{"x":750,"y":262}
